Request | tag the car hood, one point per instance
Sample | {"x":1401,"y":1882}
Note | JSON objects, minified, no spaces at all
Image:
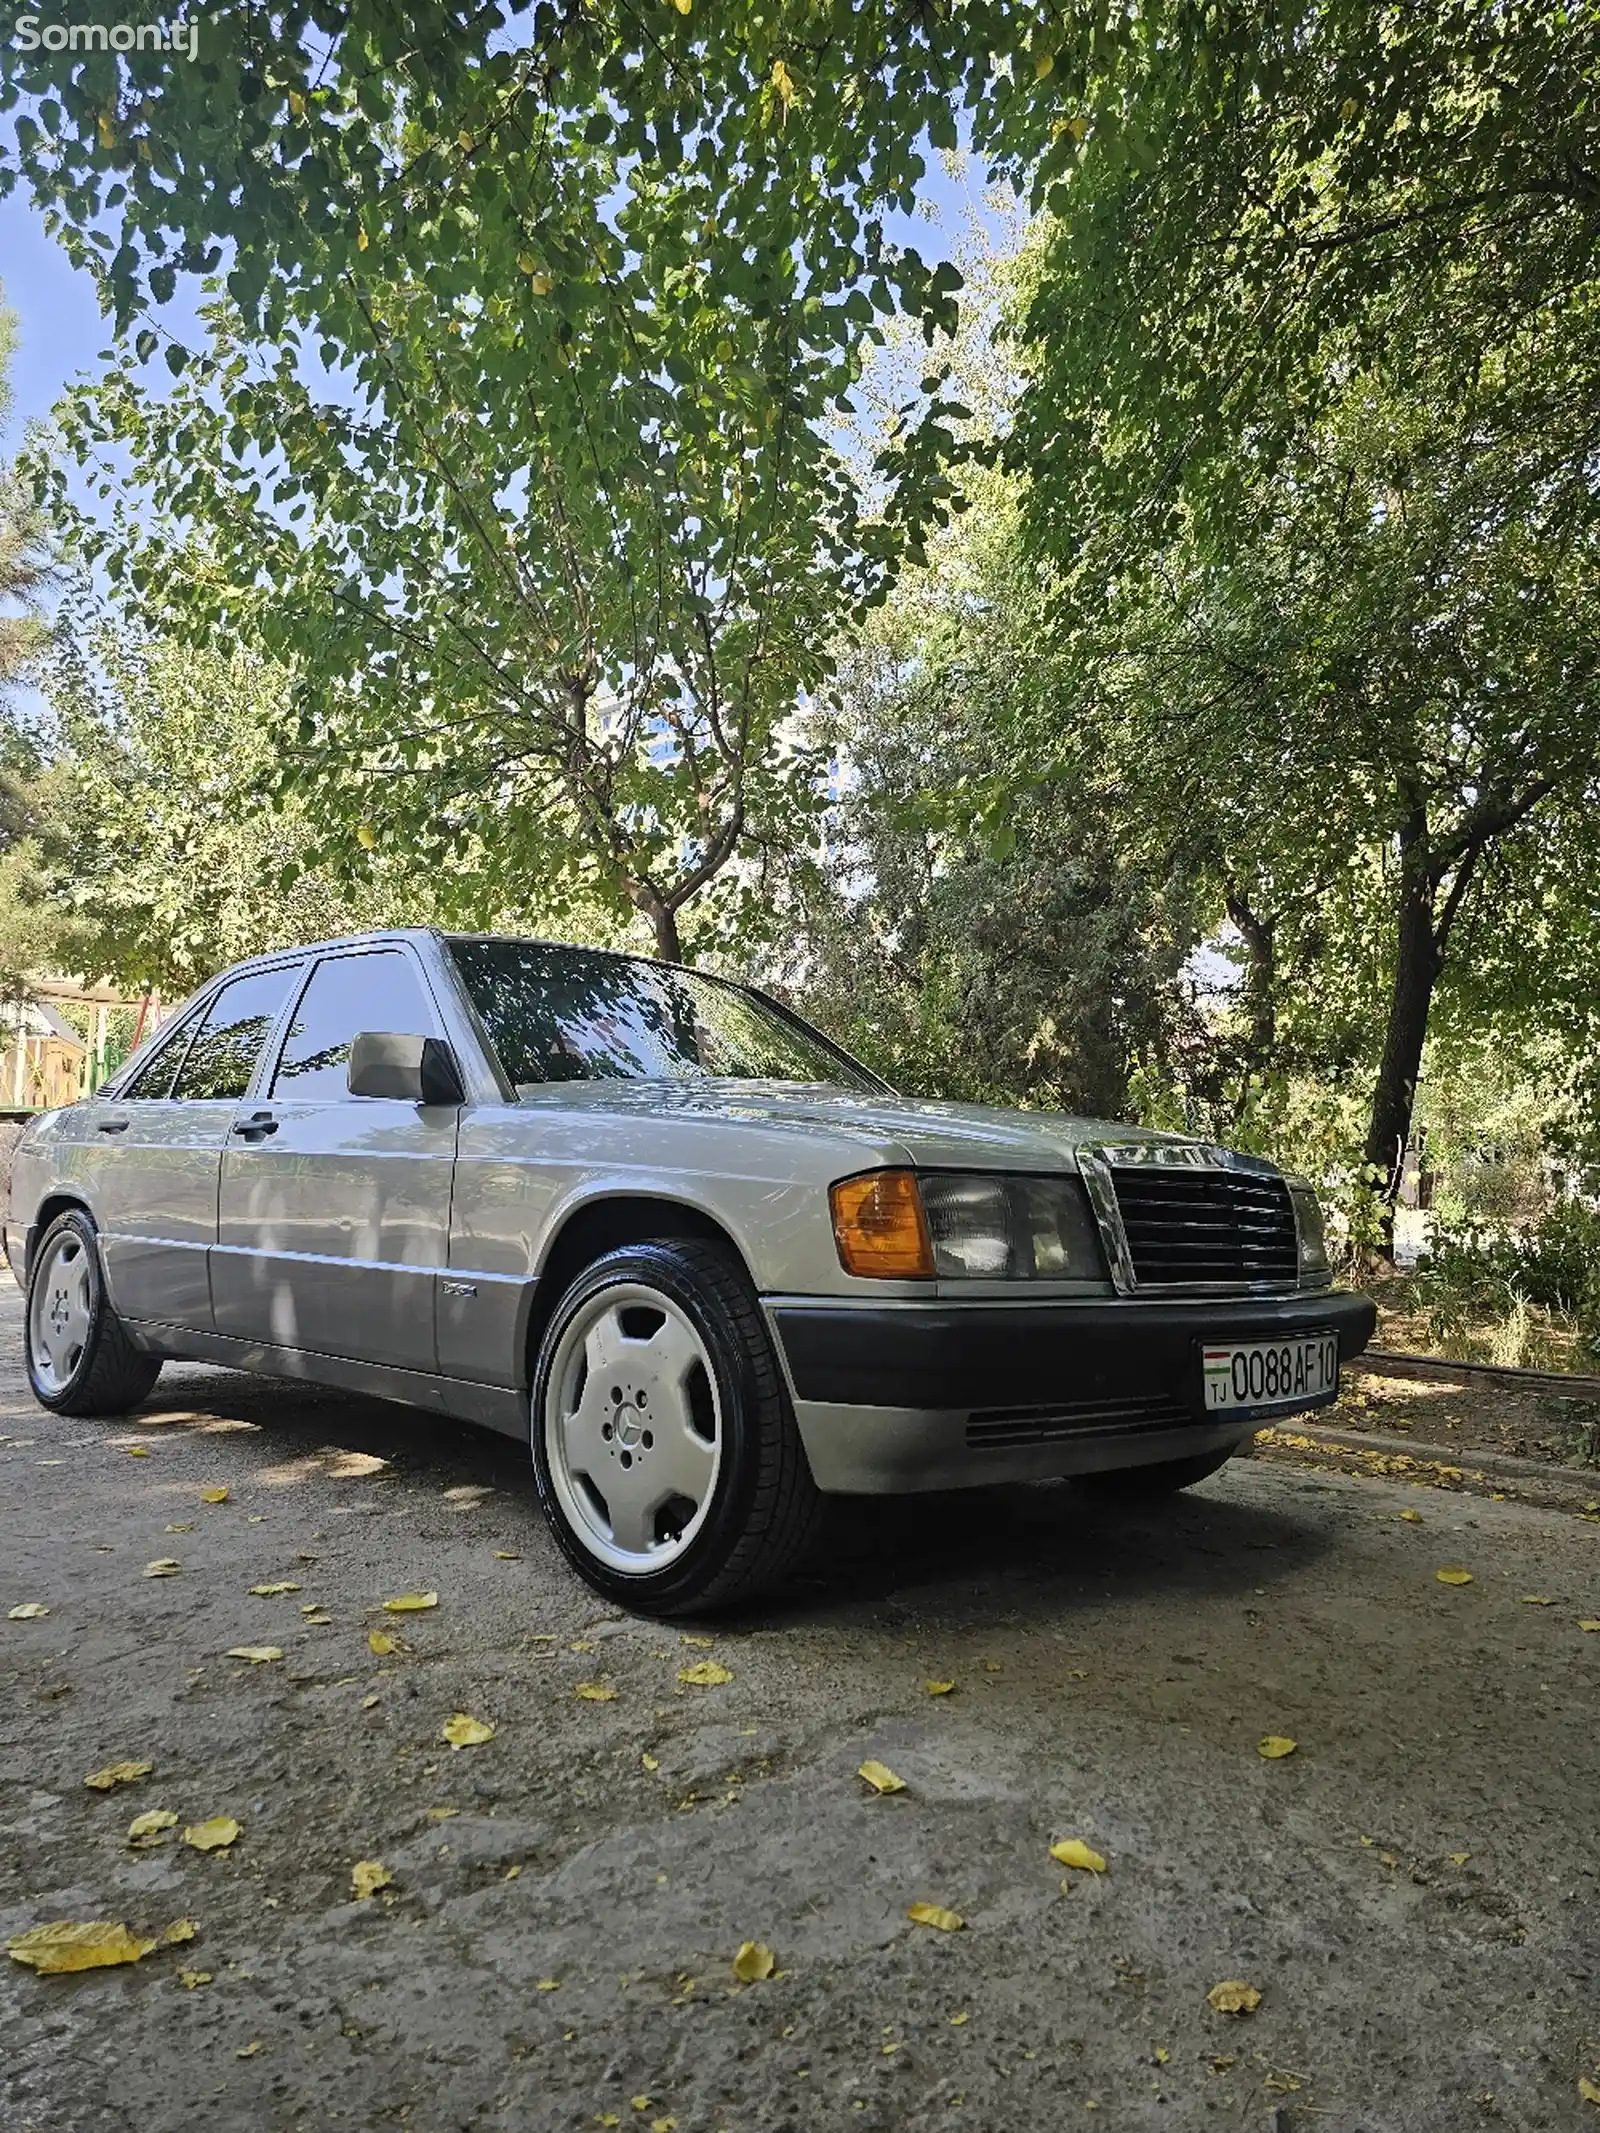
{"x":929,"y":1132}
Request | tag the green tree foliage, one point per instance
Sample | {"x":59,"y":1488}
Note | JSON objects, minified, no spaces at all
{"x":1330,"y":191}
{"x":1311,"y":348}
{"x":1371,"y":715}
{"x":156,"y":830}
{"x":33,"y":934}
{"x":975,"y":929}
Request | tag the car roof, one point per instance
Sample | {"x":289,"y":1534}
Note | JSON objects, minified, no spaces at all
{"x":430,"y":933}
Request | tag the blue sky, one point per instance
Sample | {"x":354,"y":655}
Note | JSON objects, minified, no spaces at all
{"x":59,"y":325}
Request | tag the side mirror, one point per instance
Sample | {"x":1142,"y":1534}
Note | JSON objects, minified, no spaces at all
{"x":416,"y":1070}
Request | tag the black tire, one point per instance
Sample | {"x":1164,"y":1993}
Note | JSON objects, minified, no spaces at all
{"x":1139,"y":1484}
{"x":763,"y":1511}
{"x":107,"y":1375}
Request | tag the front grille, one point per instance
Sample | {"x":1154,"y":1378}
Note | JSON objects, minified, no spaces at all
{"x":1188,"y":1227}
{"x":999,"y":1429}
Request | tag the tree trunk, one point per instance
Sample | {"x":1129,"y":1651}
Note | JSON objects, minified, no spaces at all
{"x":1418,"y":958}
{"x":1260,"y":992}
{"x":668,"y":946}
{"x":646,"y":898}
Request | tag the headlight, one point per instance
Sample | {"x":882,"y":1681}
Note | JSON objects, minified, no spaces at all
{"x":1315,"y":1272}
{"x":965,"y":1226}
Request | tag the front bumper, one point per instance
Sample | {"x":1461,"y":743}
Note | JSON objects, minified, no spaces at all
{"x":911,"y":1396}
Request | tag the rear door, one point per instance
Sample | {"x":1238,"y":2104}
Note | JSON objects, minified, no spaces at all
{"x":334,"y":1215}
{"x":152,"y":1154}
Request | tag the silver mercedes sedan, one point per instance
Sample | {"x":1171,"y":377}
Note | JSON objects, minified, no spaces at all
{"x":704,"y":1263}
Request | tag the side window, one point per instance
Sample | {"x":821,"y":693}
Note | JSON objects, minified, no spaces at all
{"x":349,"y":994}
{"x":154,"y":1079}
{"x":237,"y":1025}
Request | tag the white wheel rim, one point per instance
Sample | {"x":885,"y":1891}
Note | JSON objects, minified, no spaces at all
{"x":633,"y":1429}
{"x":59,"y":1312}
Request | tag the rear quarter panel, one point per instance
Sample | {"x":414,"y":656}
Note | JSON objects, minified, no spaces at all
{"x":46,"y":1156}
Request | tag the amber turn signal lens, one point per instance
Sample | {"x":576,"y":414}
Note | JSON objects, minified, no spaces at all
{"x":880,"y":1226}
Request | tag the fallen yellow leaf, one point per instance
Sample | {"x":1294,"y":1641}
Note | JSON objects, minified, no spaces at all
{"x":192,"y":1978}
{"x":117,"y":1774}
{"x":1412,"y":1518}
{"x":441,"y":1814}
{"x":217,"y":1495}
{"x":959,"y":2021}
{"x":881,"y":1778}
{"x":705,"y":1643}
{"x":271,"y":1592}
{"x":934,"y":1914}
{"x":594,"y":1692}
{"x":410,"y":1603}
{"x":257,"y":1654}
{"x":164,"y":1566}
{"x":939,"y":1688}
{"x":464,"y":1732}
{"x":705,"y":1674}
{"x":1588,"y":1625}
{"x":370,"y":1703}
{"x":137,"y":1451}
{"x":1452,"y":1576}
{"x":547,"y":1984}
{"x":143,"y":1829}
{"x":248,"y":2051}
{"x":504,"y":1555}
{"x":63,"y":1945}
{"x":1072,"y":1851}
{"x":1273,"y":1747}
{"x":213,"y":1835}
{"x":754,"y":1961}
{"x":649,"y":1761}
{"x":29,"y":1611}
{"x":380,"y":1642}
{"x":1536,"y":1599}
{"x":180,"y":1930}
{"x":1234,"y":1996}
{"x":1588,"y":2090}
{"x":368,"y":1875}
{"x":1459,"y":1858}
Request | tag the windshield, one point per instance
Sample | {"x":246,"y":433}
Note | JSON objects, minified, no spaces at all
{"x":576,"y":1014}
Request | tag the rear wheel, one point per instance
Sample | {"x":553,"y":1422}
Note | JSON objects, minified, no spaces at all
{"x":664,"y":1449}
{"x":1133,"y":1484}
{"x":80,"y":1359}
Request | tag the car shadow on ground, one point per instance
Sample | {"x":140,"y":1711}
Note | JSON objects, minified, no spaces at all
{"x":1004,"y":1547}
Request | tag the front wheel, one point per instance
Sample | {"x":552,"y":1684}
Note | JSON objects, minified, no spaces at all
{"x":664,"y":1449}
{"x":80,"y":1359}
{"x":1138,"y":1484}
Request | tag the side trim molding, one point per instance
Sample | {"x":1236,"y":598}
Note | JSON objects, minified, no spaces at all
{"x":497,"y":1407}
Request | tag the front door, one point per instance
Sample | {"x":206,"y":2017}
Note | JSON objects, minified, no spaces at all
{"x":334,"y":1216}
{"x":151,"y":1155}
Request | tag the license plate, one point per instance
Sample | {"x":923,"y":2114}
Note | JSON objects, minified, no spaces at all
{"x":1290,"y":1373}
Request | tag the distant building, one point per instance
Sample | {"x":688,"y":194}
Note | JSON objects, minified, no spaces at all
{"x":43,"y":1062}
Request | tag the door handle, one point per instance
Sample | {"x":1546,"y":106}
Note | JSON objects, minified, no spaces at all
{"x":112,"y":1125}
{"x":257,"y":1128}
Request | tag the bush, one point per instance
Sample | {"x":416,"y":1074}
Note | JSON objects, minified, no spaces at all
{"x":1470,"y":1271}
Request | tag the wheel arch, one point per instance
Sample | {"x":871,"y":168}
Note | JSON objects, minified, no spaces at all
{"x":55,"y":1202}
{"x":604,"y":1224}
